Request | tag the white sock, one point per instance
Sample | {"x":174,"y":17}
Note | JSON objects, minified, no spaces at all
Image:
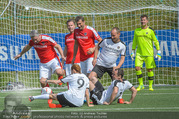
{"x":44,"y":96}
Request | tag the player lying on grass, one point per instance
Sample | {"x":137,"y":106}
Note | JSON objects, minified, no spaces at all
{"x":100,"y":96}
{"x":78,"y":89}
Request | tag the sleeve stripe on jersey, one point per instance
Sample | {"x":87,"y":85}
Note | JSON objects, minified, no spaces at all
{"x":131,"y":87}
{"x":125,"y":48}
{"x":62,"y":80}
{"x":101,"y":42}
{"x":94,"y":31}
{"x":48,"y":38}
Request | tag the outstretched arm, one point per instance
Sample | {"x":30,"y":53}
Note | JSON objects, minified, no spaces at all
{"x":65,"y":54}
{"x":25,"y":49}
{"x":58,"y":47}
{"x":53,"y":81}
{"x":95,"y":54}
{"x":120,"y":63}
{"x":134,"y":92}
{"x":75,"y":51}
{"x":87,"y":98}
{"x":91,"y":50}
{"x":113,"y":95}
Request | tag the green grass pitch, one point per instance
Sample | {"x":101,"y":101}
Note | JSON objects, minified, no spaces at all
{"x":161,"y":99}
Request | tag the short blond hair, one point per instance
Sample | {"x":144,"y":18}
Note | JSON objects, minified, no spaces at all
{"x":76,"y":67}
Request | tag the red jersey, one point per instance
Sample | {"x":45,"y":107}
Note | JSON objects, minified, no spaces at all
{"x":85,"y":40}
{"x":70,"y":42}
{"x":45,"y":48}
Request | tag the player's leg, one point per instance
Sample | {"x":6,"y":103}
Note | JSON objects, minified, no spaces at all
{"x":83,"y":67}
{"x":138,"y":65}
{"x":56,"y":68}
{"x":45,"y":73}
{"x":150,"y":64}
{"x":89,"y":65}
{"x":43,"y":97}
{"x":109,"y":71}
{"x":96,"y":91}
{"x":97,"y":71}
{"x":68,"y":69}
{"x":63,"y":101}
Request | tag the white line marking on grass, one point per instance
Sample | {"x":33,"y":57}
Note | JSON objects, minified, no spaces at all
{"x":38,"y":90}
{"x":114,"y":109}
{"x":130,"y":94}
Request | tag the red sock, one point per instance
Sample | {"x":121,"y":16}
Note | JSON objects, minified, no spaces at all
{"x":67,"y":85}
{"x":51,"y":105}
{"x":47,"y":85}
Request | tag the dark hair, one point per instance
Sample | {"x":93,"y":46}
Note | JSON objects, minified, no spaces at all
{"x":142,"y":16}
{"x":79,"y":18}
{"x":117,"y":29}
{"x":70,"y":20}
{"x":76,"y":67}
{"x":120,"y":72}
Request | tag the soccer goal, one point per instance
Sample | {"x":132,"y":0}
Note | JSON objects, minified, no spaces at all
{"x":19,"y":17}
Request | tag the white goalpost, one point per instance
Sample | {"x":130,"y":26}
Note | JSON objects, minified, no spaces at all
{"x":19,"y":17}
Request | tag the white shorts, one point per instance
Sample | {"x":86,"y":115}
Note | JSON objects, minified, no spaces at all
{"x":87,"y":66}
{"x":68,"y":68}
{"x":47,"y":69}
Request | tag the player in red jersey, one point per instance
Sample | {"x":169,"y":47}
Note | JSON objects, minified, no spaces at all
{"x":49,"y":61}
{"x":84,"y":40}
{"x":69,"y":47}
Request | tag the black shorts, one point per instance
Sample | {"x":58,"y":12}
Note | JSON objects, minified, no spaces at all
{"x":100,"y":70}
{"x":64,"y":102}
{"x":96,"y":93}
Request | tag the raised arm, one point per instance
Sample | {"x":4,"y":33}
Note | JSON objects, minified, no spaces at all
{"x":25,"y":49}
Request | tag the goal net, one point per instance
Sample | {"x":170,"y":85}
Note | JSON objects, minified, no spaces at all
{"x":19,"y":17}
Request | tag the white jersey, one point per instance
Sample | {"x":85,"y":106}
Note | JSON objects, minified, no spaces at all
{"x":77,"y":86}
{"x":122,"y":86}
{"x":110,"y":52}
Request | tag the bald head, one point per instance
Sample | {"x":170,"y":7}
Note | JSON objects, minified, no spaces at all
{"x":34,"y":33}
{"x":115,"y":34}
{"x":116,"y":29}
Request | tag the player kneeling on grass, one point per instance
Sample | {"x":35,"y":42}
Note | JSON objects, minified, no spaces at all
{"x":78,"y":89}
{"x":100,"y":96}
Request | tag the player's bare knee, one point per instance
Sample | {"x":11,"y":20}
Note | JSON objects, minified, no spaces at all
{"x":53,"y":96}
{"x":43,"y":82}
{"x":94,"y":80}
{"x":137,"y":68}
{"x":91,"y":75}
{"x":149,"y":70}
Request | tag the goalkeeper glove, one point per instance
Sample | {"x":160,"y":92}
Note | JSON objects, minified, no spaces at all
{"x":158,"y":55}
{"x":132,"y":55}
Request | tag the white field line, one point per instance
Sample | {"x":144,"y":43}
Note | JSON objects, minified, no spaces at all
{"x":38,"y":90}
{"x":114,"y":109}
{"x":130,"y":94}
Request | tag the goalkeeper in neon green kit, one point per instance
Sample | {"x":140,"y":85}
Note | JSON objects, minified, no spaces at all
{"x":144,"y":38}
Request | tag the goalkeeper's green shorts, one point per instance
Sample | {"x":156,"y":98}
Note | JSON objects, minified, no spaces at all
{"x":149,"y":62}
